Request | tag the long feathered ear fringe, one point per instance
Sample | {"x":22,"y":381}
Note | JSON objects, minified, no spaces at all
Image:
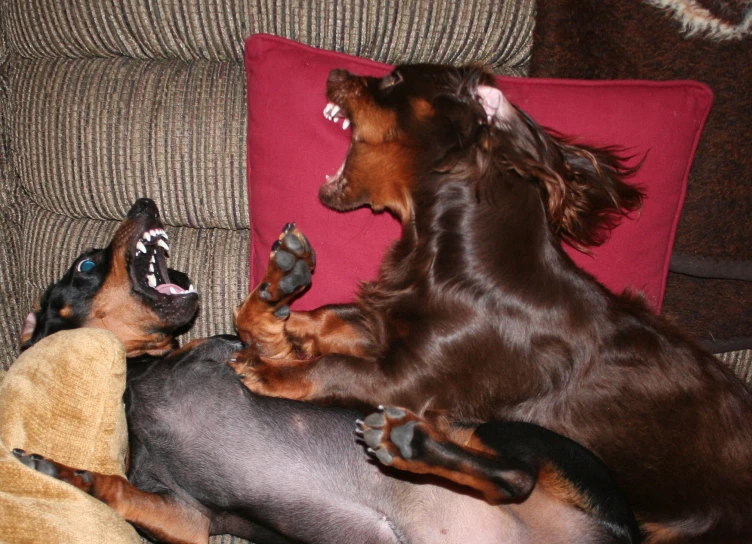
{"x":584,"y":193}
{"x":581,"y":187}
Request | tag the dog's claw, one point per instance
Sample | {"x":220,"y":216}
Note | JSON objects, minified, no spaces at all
{"x":36,"y":462}
{"x":264,"y":291}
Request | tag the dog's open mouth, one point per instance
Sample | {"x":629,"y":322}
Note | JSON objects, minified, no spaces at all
{"x":334,"y":113}
{"x":149,"y":265}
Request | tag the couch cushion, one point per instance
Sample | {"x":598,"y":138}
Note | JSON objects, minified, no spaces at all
{"x":63,"y":400}
{"x":291,"y":147}
{"x":496,"y":32}
{"x":99,"y":133}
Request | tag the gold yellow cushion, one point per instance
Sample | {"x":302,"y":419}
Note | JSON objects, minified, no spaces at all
{"x":63,"y":399}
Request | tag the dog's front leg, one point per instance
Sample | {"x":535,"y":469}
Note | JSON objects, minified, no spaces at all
{"x":260,"y":320}
{"x":162,"y":516}
{"x":264,"y":319}
{"x":334,"y":378}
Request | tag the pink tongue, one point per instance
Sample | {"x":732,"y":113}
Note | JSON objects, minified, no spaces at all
{"x":170,"y":289}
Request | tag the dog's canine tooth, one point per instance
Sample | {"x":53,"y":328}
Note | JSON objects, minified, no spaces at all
{"x":334,"y":112}
{"x":151,"y":278}
{"x":345,"y":124}
{"x":147,"y":236}
{"x":151,"y":268}
{"x":161,"y":243}
{"x":140,"y":246}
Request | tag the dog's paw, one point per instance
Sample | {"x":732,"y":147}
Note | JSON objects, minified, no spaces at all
{"x":393,"y":435}
{"x":82,"y":479}
{"x":272,"y":377}
{"x":288,"y":273}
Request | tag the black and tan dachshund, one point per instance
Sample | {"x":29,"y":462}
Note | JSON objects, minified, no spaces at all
{"x":207,"y":456}
{"x":125,"y":288}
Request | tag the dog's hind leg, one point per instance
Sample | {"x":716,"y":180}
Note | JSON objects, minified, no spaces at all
{"x":161,"y":516}
{"x":403,"y":440}
{"x":505,"y":462}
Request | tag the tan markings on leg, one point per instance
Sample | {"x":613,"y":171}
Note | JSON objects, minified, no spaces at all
{"x":322,"y":331}
{"x":188,"y":347}
{"x":162,"y":515}
{"x":273,"y":377}
{"x":553,"y":482}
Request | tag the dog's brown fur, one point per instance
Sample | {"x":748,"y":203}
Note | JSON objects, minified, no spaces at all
{"x":479,"y":315}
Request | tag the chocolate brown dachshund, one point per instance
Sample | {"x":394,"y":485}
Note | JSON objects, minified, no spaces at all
{"x":478,"y":314}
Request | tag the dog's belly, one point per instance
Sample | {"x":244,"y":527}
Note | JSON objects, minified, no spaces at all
{"x":441,"y":516}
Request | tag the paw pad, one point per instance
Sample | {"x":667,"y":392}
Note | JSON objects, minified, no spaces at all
{"x":389,"y":434}
{"x":289,"y":271}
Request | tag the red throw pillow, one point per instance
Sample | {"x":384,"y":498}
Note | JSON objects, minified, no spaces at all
{"x":292,"y":147}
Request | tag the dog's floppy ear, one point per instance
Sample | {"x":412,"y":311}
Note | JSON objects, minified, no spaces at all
{"x":28,"y":328}
{"x":461,"y":112}
{"x":498,"y":109}
{"x":583,"y":191}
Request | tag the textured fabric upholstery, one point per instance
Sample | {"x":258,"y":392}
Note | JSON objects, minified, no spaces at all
{"x":493,"y":32}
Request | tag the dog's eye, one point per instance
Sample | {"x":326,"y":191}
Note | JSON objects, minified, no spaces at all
{"x":395,"y":78}
{"x":86,"y":265}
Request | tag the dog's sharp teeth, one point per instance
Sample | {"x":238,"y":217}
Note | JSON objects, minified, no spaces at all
{"x":153,"y":258}
{"x":334,"y":111}
{"x":191,"y":288}
{"x":172,"y":291}
{"x":345,"y":124}
{"x":140,"y":246}
{"x":161,"y":243}
{"x":151,"y":268}
{"x":164,"y":234}
{"x":147,"y":236}
{"x":152,"y":279}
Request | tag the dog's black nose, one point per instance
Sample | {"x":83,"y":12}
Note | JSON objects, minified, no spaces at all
{"x":144,"y":206}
